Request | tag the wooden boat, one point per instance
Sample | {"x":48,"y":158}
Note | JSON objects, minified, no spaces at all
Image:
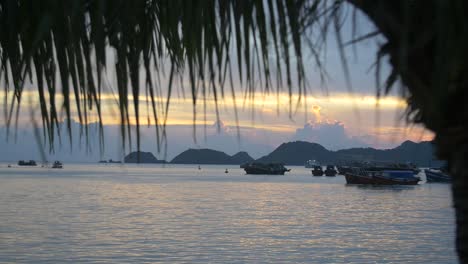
{"x":263,"y":168}
{"x":330,"y":171}
{"x":381,"y":176}
{"x":342,"y":170}
{"x":110,"y":161}
{"x":433,"y":175}
{"x":317,"y":171}
{"x":311,"y":164}
{"x":27,"y":163}
{"x":57,"y":165}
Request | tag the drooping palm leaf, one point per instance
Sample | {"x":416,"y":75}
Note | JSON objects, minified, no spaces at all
{"x":63,"y":46}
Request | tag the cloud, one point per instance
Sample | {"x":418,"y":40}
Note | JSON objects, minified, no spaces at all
{"x":330,"y":134}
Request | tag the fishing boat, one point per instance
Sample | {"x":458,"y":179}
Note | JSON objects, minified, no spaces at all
{"x":342,"y":170}
{"x":381,"y":176}
{"x":317,"y":171}
{"x":311,"y":164}
{"x":266,"y":168}
{"x":57,"y":165}
{"x":27,"y":163}
{"x":330,"y":171}
{"x":437,"y":175}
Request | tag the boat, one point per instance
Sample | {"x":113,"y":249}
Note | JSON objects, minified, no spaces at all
{"x":381,"y":176}
{"x":317,"y":171}
{"x":330,"y":171}
{"x":27,"y":163}
{"x":266,"y":168}
{"x":342,"y":170}
{"x":437,"y":175}
{"x":311,"y":164}
{"x":110,"y":161}
{"x":57,"y":165}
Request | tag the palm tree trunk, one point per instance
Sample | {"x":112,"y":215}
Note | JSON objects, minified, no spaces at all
{"x":443,"y":112}
{"x":453,"y":146}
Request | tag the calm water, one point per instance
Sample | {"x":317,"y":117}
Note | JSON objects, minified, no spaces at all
{"x":110,"y":213}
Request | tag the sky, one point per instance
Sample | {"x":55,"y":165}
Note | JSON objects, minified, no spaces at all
{"x":330,"y":114}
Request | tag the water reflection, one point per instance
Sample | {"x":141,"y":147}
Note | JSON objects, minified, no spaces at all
{"x":152,"y":214}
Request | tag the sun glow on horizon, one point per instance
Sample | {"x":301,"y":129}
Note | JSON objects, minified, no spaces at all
{"x":278,"y":113}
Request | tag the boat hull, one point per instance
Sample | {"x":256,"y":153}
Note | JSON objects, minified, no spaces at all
{"x":433,"y":176}
{"x":376,"y":180}
{"x":330,"y":173}
{"x":317,"y":173}
{"x":263,"y":171}
{"x":27,"y":163}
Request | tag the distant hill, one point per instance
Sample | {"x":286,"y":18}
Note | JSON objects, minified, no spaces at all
{"x":241,"y":158}
{"x":209,"y":156}
{"x":142,"y":157}
{"x":421,"y":154}
{"x":298,"y":152}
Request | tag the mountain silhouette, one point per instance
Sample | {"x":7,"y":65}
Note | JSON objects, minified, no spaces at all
{"x":241,"y":158}
{"x":142,"y":157}
{"x":209,"y":156}
{"x":298,"y":152}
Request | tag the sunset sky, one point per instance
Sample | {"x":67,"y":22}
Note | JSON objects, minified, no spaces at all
{"x":331,"y":114}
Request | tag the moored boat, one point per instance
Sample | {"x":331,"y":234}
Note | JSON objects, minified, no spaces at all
{"x":317,"y":171}
{"x":381,"y":176}
{"x":27,"y":163}
{"x":342,"y":170}
{"x":433,"y":175}
{"x":265,"y":168}
{"x":57,"y":165}
{"x":311,"y":164}
{"x":330,"y":171}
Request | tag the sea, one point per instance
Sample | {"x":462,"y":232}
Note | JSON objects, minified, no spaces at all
{"x":111,"y":213}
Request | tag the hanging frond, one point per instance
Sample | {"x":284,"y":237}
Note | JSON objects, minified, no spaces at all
{"x":64,"y":48}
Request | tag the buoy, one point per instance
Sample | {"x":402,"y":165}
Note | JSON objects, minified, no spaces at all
{"x":199,"y":167}
{"x":226,"y":171}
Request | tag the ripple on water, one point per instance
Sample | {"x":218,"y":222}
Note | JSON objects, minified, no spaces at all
{"x":170,"y":214}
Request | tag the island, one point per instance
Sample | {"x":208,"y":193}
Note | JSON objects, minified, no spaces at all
{"x":299,"y":152}
{"x":209,"y":156}
{"x":142,"y":157}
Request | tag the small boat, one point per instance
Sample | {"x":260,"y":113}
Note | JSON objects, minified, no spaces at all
{"x":437,"y":175}
{"x":263,"y":168}
{"x":110,"y":161}
{"x":311,"y":164}
{"x":381,"y":176}
{"x":330,"y":171}
{"x":342,"y":170}
{"x":317,"y":171}
{"x":27,"y":163}
{"x":57,"y":165}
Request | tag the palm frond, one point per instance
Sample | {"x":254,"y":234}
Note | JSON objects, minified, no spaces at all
{"x":64,"y":46}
